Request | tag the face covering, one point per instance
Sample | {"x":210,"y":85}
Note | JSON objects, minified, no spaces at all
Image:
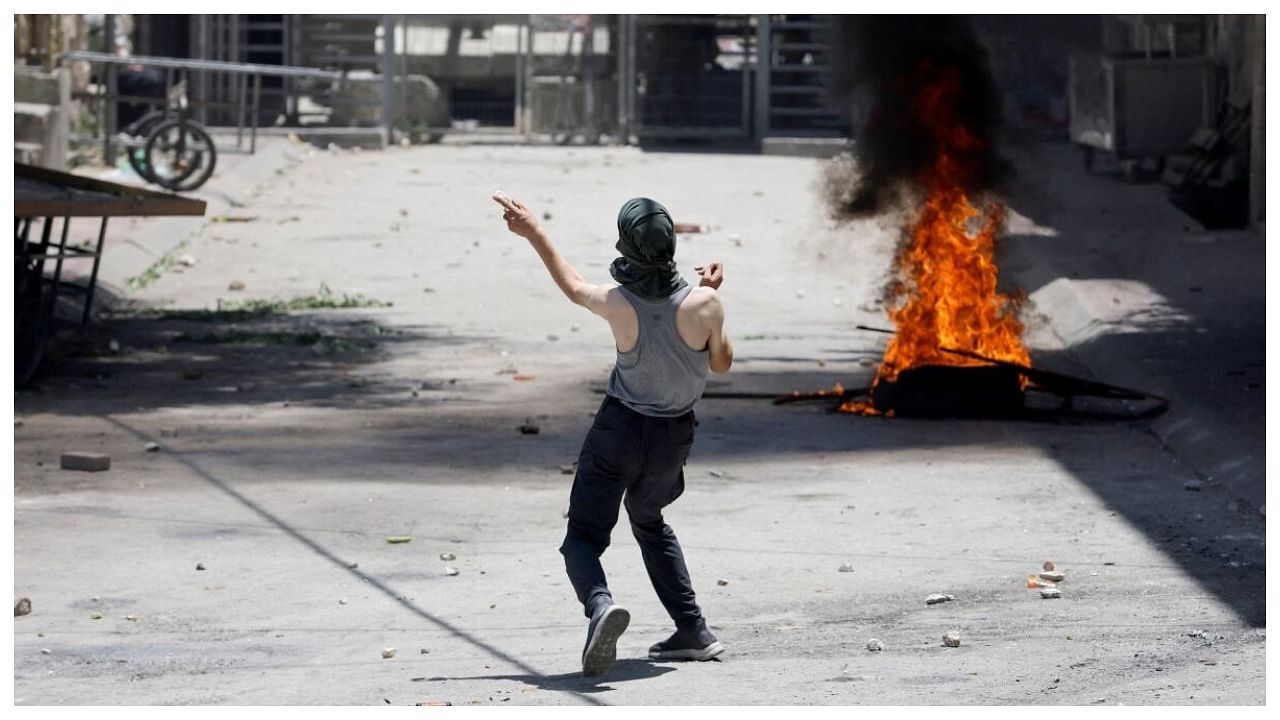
{"x":647,"y":242}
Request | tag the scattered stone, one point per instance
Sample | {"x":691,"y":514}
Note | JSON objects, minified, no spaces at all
{"x":235,"y":286}
{"x":46,"y":651}
{"x":151,"y":447}
{"x":423,"y":651}
{"x":546,"y":215}
{"x":1109,"y":562}
{"x":192,"y":374}
{"x":508,"y":370}
{"x":131,"y":618}
{"x":574,"y":327}
{"x":937,"y":598}
{"x":568,"y":469}
{"x":388,"y":653}
{"x":22,"y":608}
{"x":187,"y":261}
{"x":846,"y":567}
{"x":715,"y":473}
{"x":450,"y":570}
{"x":553,"y":337}
{"x":448,"y":557}
{"x":95,"y":616}
{"x":1054,"y":576}
{"x":1192,"y":485}
{"x":951,"y":639}
{"x":95,"y":598}
{"x":352,"y":566}
{"x":113,"y":347}
{"x":722,"y":582}
{"x":245,"y":387}
{"x":342,"y":601}
{"x":398,"y":539}
{"x":199,"y":566}
{"x":529,"y":429}
{"x":1050,"y":593}
{"x":875,"y":645}
{"x":1048,"y":565}
{"x":86,"y":461}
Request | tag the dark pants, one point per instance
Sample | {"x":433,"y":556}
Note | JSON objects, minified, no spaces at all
{"x":641,"y":458}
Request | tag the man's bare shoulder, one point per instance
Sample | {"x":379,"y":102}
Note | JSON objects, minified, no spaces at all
{"x":612,"y":301}
{"x":704,"y":303}
{"x":702,"y":298}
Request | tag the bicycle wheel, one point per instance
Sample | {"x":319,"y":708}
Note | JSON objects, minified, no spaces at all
{"x":140,"y":130}
{"x":180,"y":155}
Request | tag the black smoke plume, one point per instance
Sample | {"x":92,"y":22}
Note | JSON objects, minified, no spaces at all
{"x":886,"y":64}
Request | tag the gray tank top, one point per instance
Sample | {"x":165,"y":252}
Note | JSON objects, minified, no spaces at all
{"x":661,"y":376}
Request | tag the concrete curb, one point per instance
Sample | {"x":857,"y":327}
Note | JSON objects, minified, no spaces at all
{"x":1080,"y":312}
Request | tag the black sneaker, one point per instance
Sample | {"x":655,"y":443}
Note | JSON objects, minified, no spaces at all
{"x":602,"y":639}
{"x":697,"y":644}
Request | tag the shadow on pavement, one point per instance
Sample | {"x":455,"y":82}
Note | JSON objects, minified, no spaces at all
{"x":620,"y":671}
{"x":344,"y":564}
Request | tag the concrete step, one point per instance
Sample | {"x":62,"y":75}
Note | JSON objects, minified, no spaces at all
{"x":323,"y":137}
{"x":31,"y":121}
{"x":33,"y":86}
{"x":27,"y":153}
{"x":811,"y":147}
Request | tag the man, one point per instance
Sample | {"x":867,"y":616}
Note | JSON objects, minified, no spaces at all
{"x":667,"y":336}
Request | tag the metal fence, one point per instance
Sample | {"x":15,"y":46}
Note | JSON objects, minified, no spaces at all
{"x":535,"y":76}
{"x":106,"y":97}
{"x":474,"y":67}
{"x":689,"y":76}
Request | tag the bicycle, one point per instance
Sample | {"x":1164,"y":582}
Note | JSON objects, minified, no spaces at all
{"x":168,"y":148}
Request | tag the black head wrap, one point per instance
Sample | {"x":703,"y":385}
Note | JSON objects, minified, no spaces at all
{"x":647,"y":242}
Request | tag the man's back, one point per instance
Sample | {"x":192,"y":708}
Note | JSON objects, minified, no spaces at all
{"x":660,"y":373}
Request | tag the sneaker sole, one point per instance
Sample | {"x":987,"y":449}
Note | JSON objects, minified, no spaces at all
{"x":699,"y":654}
{"x":602,"y":647}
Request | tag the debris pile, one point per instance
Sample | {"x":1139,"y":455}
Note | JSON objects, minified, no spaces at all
{"x":1046,"y":581}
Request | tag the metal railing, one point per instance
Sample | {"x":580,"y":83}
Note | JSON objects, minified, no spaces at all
{"x":247,"y":78}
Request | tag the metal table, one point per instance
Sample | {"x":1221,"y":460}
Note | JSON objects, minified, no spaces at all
{"x":42,"y":196}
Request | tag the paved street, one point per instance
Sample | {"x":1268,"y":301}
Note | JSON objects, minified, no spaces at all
{"x":295,"y":440}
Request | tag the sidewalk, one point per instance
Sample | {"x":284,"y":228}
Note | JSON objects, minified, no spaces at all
{"x":1145,"y":297}
{"x":133,"y":245}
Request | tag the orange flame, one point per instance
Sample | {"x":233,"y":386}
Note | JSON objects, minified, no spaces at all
{"x":944,"y":294}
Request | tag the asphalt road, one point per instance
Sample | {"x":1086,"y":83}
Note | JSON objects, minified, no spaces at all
{"x":293,"y":444}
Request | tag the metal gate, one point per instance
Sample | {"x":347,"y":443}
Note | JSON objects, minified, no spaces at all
{"x":573,"y":77}
{"x":477,"y":63}
{"x":689,"y":76}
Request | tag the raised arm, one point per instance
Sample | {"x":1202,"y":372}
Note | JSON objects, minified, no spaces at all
{"x":521,"y":221}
